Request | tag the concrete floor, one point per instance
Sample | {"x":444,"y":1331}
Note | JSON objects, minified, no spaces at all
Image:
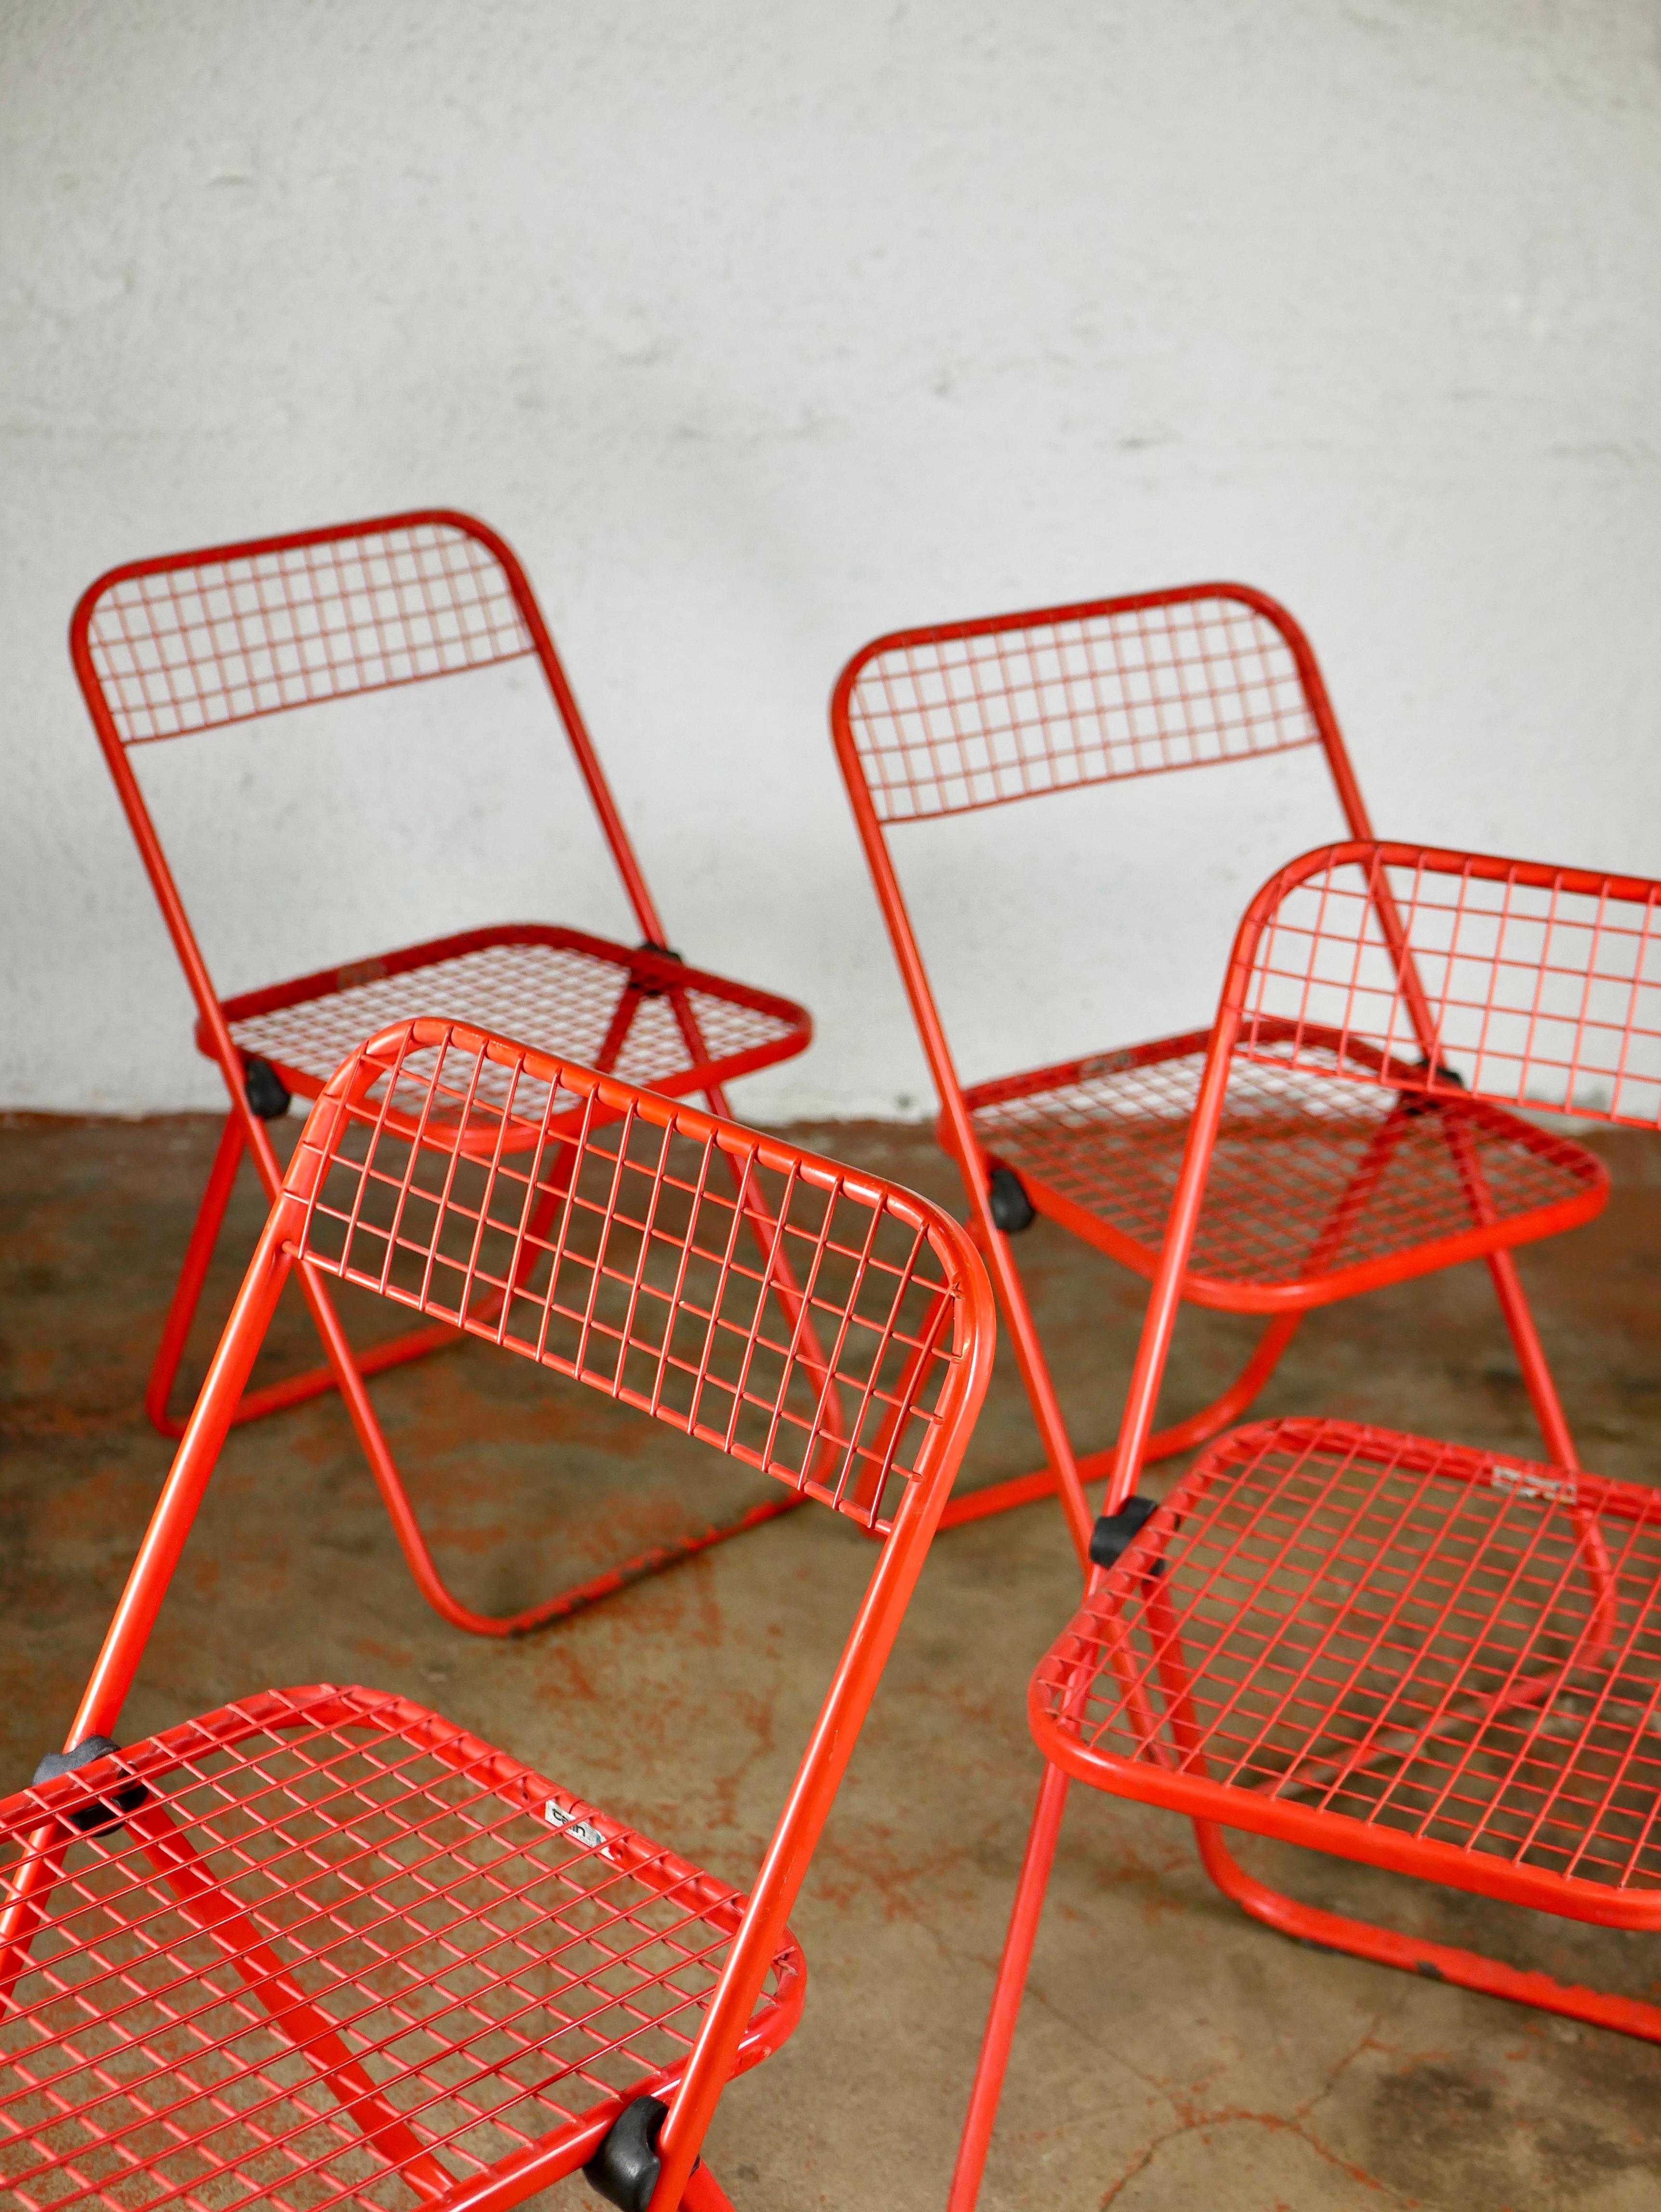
{"x":1171,"y":2053}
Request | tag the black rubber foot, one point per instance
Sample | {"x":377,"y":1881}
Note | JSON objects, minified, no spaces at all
{"x":1011,"y":1209}
{"x":267,"y":1094}
{"x":91,"y":1820}
{"x":624,"y":2169}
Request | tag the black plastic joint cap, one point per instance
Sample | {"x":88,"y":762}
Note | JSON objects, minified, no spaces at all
{"x":624,"y":2169}
{"x":1011,"y":1209}
{"x":267,"y":1094}
{"x":663,"y":952}
{"x":1114,"y":1534}
{"x":93,"y":1819}
{"x":1416,"y":1102}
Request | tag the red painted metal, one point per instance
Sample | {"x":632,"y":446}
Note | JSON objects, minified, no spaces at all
{"x":341,"y":1944}
{"x":1315,"y":1195}
{"x":1442,"y":1661}
{"x":194,"y":642}
{"x":1000,"y":2034}
{"x":1299,"y":1163}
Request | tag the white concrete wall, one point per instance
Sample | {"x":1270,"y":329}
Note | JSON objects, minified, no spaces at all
{"x":760,"y":326}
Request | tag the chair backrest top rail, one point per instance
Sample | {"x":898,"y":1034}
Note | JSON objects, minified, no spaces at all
{"x":1542,"y":983}
{"x":951,"y":717}
{"x":182,"y":642}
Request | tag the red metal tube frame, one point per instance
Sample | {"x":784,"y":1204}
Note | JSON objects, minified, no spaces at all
{"x":343,"y":1369}
{"x":720,"y":2048}
{"x":1213,"y":1807}
{"x":1065,"y":1470}
{"x":1062,"y":1472}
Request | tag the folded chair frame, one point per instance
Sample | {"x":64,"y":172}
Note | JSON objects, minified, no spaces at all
{"x":947,"y":719}
{"x":323,"y":1938}
{"x":169,"y":647}
{"x":1441,"y":1662}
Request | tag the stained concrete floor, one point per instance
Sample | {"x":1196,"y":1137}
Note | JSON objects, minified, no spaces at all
{"x":1170,"y":2053}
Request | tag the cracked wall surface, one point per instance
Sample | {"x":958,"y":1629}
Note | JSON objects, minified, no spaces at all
{"x":762,"y":330}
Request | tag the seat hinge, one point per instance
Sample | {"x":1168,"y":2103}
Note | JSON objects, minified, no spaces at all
{"x":1427,"y":1102}
{"x":267,"y":1093}
{"x":624,"y":2169}
{"x":1114,"y":1534}
{"x":1011,"y":1209}
{"x":91,"y":1820}
{"x":663,"y":952}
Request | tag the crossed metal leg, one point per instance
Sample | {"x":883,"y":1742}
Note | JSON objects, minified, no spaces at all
{"x":348,"y":1371}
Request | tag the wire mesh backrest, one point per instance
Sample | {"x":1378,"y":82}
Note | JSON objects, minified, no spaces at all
{"x":1543,"y":985}
{"x":974,"y":714}
{"x":810,"y":1322}
{"x":239,"y":631}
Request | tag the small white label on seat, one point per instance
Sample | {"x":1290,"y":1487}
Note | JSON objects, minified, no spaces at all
{"x":1531,"y":1482}
{"x":579,"y":1831}
{"x":1106,"y":1063}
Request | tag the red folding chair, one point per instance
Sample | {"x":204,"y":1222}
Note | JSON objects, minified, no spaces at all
{"x":192,"y":641}
{"x":966,"y":715}
{"x":323,"y":1948}
{"x":1443,"y":1662}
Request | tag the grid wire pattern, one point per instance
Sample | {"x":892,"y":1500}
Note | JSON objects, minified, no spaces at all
{"x":947,"y":721}
{"x":801,"y":1319}
{"x":208,"y":642}
{"x":341,"y":1948}
{"x":561,"y":996}
{"x":1310,"y":1174}
{"x":1544,"y":985}
{"x":1393,"y":1633}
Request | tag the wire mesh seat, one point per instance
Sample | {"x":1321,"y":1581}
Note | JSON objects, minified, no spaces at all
{"x":323,"y":1948}
{"x":343,"y":1943}
{"x":1442,"y":1661}
{"x":195,"y":642}
{"x":1316,"y":1190}
{"x":1317,"y":1193}
{"x":1413,"y":1640}
{"x":607,"y":1005}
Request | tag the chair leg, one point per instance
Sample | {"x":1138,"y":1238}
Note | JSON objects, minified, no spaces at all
{"x":795,"y":1310}
{"x":1247,"y":1386}
{"x":1183,"y":1435}
{"x":703,"y":2193}
{"x":27,"y":1903}
{"x":348,"y":1375}
{"x":1440,"y":1962}
{"x":1531,"y":1358}
{"x":273,"y":1397}
{"x":1006,"y":1993}
{"x":1065,"y":1473}
{"x":1513,"y":1305}
{"x":188,"y":1293}
{"x":345,"y":1373}
{"x":348,"y":1371}
{"x":308,"y":2028}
